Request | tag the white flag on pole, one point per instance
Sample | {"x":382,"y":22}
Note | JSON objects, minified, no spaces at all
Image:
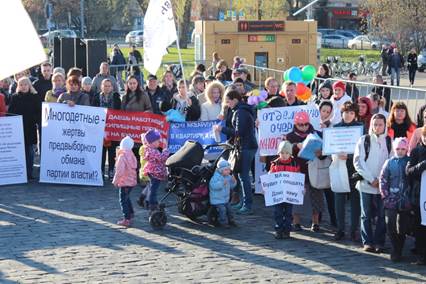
{"x":159,"y":32}
{"x":21,"y":47}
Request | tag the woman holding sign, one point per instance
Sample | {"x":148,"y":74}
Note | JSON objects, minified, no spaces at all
{"x":415,"y":169}
{"x":243,"y":134}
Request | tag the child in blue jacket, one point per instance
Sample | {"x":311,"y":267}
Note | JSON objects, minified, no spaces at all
{"x":220,"y":189}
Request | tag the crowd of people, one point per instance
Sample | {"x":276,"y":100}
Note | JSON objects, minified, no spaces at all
{"x":384,"y":171}
{"x":393,"y":61}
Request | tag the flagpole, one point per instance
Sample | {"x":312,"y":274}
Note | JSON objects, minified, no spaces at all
{"x":180,"y":57}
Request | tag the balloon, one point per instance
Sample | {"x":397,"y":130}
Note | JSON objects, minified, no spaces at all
{"x":251,"y":100}
{"x":295,"y":75}
{"x":282,"y":94}
{"x":307,"y":82}
{"x":262,"y":105}
{"x":286,"y":76}
{"x":263,"y":95}
{"x":255,"y":93}
{"x":300,"y":89}
{"x":305,"y":96}
{"x":308,"y":73}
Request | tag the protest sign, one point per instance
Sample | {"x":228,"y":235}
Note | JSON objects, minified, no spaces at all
{"x":423,"y":198}
{"x":120,"y":123}
{"x":200,"y":131}
{"x":12,"y":151}
{"x":72,"y":144}
{"x":283,"y":187}
{"x":276,"y":122}
{"x":338,"y":140}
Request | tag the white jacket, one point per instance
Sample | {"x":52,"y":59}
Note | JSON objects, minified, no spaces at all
{"x":337,"y":105}
{"x":370,"y":169}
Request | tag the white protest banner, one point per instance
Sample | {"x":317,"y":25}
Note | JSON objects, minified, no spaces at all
{"x":72,"y":143}
{"x":13,"y":168}
{"x":423,"y":198}
{"x":338,"y":140}
{"x":283,"y":187}
{"x":276,"y":122}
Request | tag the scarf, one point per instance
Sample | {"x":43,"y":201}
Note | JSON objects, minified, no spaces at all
{"x":304,"y":134}
{"x":58,"y":91}
{"x":105,"y":100}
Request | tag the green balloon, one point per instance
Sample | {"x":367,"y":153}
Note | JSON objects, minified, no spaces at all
{"x":262,"y":105}
{"x":308,"y":73}
{"x":286,"y":76}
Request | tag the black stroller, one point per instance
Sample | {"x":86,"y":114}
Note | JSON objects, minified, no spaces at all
{"x":189,"y":179}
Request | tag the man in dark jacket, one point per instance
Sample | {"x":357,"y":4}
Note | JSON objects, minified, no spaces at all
{"x":384,"y":54}
{"x":352,"y":89}
{"x":155,"y":94}
{"x":396,"y":62}
{"x":289,"y":89}
{"x":382,"y":91}
{"x":44,"y":82}
{"x":118,"y":59}
{"x":136,"y":55}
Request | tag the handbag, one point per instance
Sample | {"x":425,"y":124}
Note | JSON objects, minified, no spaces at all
{"x":319,"y":173}
{"x":235,"y":156}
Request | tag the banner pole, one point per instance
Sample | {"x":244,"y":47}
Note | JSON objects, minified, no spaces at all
{"x":180,"y":57}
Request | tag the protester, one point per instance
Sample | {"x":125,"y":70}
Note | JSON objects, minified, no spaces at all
{"x":394,"y":190}
{"x":172,"y":115}
{"x":125,"y":179}
{"x":44,"y":83}
{"x":169,"y":87}
{"x":86,"y":88}
{"x":325,"y":92}
{"x":118,"y":62}
{"x":198,"y":71}
{"x":399,"y":122}
{"x":415,"y":168}
{"x":27,"y":103}
{"x":238,"y":83}
{"x":349,"y":118}
{"x":58,"y":88}
{"x":215,"y":60}
{"x":412,"y":65}
{"x":416,"y":138}
{"x":382,"y":91}
{"x":4,"y":89}
{"x":220,"y":187}
{"x":338,"y":99}
{"x":368,"y":165}
{"x":245,"y":76}
{"x":289,"y":89}
{"x":74,"y":96}
{"x":322,"y":74}
{"x":283,"y":211}
{"x":365,"y":114}
{"x":103,"y":74}
{"x":378,"y":104}
{"x":198,"y":85}
{"x":135,"y":99}
{"x":222,"y":67}
{"x":302,"y":128}
{"x":272,"y":87}
{"x":211,"y":109}
{"x":396,"y":62}
{"x":135,"y":71}
{"x":351,"y":88}
{"x":16,"y":77}
{"x":155,"y":94}
{"x":74,"y":71}
{"x":187,"y":105}
{"x":59,"y":70}
{"x":242,"y":131}
{"x":155,"y":166}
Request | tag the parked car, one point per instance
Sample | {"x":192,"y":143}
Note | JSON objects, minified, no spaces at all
{"x":334,"y":41}
{"x":363,"y":42}
{"x":326,"y":31}
{"x":139,"y":40}
{"x":44,"y":38}
{"x":347,"y":33}
{"x":131,"y":36}
{"x":421,"y":60}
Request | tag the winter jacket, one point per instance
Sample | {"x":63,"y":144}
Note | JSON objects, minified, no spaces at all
{"x":370,"y":169}
{"x":193,"y":112}
{"x":78,"y":98}
{"x":125,"y":169}
{"x":29,"y":106}
{"x":53,"y":95}
{"x":155,"y":163}
{"x":396,"y":60}
{"x":157,"y":97}
{"x":118,"y":59}
{"x":415,"y":167}
{"x":115,"y":104}
{"x":42,"y":86}
{"x":243,"y":126}
{"x":168,"y":93}
{"x":2,"y":105}
{"x":384,"y":92}
{"x":210,"y":111}
{"x":409,"y":132}
{"x":289,"y":165}
{"x":412,"y":61}
{"x":130,"y":103}
{"x":97,"y":82}
{"x":337,"y":105}
{"x":219,"y":191}
{"x":393,"y":181}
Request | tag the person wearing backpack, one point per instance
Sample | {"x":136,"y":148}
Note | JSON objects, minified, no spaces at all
{"x":368,"y":161}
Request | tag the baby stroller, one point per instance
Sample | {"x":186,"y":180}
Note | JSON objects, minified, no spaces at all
{"x":188,"y":180}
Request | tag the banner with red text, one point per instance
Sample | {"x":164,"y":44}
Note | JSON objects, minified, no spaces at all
{"x":120,"y":124}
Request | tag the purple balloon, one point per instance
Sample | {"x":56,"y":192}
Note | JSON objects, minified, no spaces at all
{"x":263,"y":95}
{"x":251,"y":100}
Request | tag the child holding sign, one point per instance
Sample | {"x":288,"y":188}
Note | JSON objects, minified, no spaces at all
{"x":283,"y":211}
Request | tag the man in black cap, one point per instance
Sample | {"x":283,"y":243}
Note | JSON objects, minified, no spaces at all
{"x":155,"y":94}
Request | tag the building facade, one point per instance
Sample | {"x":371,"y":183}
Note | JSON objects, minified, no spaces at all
{"x":338,"y":14}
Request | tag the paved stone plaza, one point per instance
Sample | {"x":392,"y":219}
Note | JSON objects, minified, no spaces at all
{"x":67,"y":234}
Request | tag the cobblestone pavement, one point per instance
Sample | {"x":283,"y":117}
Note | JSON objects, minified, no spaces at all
{"x":67,"y":234}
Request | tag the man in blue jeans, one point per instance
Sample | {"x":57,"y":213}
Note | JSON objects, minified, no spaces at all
{"x":396,"y":62}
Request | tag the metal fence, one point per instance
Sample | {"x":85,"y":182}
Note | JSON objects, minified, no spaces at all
{"x":414,"y":98}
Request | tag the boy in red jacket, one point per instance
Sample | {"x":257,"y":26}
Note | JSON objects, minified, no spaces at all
{"x":283,"y":211}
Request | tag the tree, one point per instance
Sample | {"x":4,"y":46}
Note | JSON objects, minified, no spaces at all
{"x":183,"y":18}
{"x":401,"y":21}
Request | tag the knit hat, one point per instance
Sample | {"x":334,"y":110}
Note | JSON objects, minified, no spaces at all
{"x":223,"y":164}
{"x":400,"y":142}
{"x":326,"y":84}
{"x":301,"y":117}
{"x":339,"y":84}
{"x":285,"y":146}
{"x":126,"y":143}
{"x":152,"y":135}
{"x":86,"y":81}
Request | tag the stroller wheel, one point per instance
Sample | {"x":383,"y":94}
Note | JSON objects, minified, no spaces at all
{"x":212,"y":216}
{"x":158,"y":219}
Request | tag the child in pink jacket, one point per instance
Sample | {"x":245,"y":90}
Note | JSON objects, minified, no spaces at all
{"x":125,"y":178}
{"x":155,"y":167}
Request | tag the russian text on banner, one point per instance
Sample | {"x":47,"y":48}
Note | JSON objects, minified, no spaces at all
{"x":276,"y":122}
{"x":283,"y":187}
{"x":12,"y":151}
{"x":120,"y":123}
{"x":200,"y":131}
{"x":338,"y":140}
{"x":72,"y":144}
